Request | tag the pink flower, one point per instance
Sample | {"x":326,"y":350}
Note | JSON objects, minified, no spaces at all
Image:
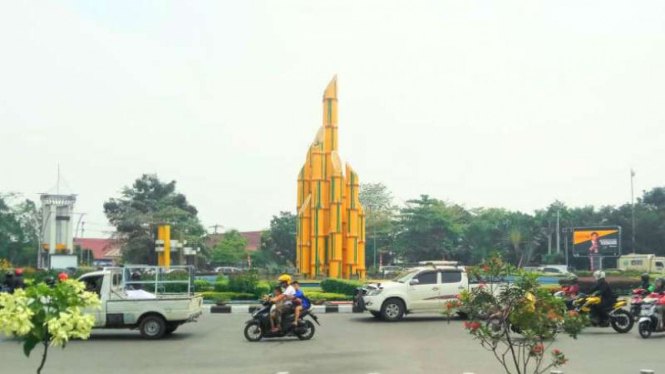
{"x":474,"y":326}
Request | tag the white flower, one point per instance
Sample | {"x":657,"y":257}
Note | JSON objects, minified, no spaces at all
{"x":15,"y":316}
{"x":68,"y":325}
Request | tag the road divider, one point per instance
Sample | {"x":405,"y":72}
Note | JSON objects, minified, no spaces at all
{"x":319,"y":309}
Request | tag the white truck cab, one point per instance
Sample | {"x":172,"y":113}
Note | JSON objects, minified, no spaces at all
{"x":144,"y":298}
{"x":421,"y":289}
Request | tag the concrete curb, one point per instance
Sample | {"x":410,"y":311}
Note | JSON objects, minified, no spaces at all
{"x":319,"y":309}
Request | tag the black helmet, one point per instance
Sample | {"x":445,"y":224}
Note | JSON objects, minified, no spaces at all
{"x":50,"y":281}
{"x":645,"y":277}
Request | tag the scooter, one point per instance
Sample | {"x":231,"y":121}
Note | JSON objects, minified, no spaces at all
{"x":258,"y":327}
{"x":651,"y":315}
{"x":621,"y":320}
{"x":636,"y":302}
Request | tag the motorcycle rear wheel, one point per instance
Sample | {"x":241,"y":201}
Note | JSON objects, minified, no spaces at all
{"x":309,"y":333}
{"x":253,"y":332}
{"x":622,"y":321}
{"x":644,"y":329}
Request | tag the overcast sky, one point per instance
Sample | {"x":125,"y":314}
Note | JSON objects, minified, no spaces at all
{"x":483,"y":103}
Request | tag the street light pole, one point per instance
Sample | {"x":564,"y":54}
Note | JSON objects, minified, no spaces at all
{"x":632,"y":205}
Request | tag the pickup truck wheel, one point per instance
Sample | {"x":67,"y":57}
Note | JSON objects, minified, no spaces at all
{"x":153,"y":327}
{"x":392,"y":310}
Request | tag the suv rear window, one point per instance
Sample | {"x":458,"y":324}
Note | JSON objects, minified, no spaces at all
{"x":450,"y":276}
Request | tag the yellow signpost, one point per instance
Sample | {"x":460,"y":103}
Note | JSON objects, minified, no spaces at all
{"x":331,"y":221}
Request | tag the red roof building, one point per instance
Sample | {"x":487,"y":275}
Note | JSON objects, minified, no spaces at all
{"x":102,"y":249}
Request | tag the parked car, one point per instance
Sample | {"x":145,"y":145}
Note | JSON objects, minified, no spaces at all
{"x":129,"y":301}
{"x":420,"y":289}
{"x":226,"y":270}
{"x":555,"y":269}
{"x":390,"y":270}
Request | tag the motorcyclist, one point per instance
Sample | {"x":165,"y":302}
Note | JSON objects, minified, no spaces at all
{"x":607,"y":297}
{"x":646,"y":285}
{"x":659,"y":287}
{"x":8,"y":283}
{"x":283,"y":302}
{"x":573,"y":288}
{"x":301,"y":302}
{"x":18,"y":279}
{"x":570,"y":291}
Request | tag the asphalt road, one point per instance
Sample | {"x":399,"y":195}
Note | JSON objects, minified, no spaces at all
{"x":345,"y":343}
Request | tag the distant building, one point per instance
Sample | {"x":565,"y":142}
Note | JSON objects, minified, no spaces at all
{"x":102,"y":249}
{"x":253,"y":240}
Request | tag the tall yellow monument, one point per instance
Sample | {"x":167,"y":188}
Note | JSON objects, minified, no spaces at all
{"x":331,"y":221}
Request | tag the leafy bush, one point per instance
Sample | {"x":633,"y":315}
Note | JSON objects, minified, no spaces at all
{"x":346,"y":287}
{"x":225,"y":296}
{"x":244,"y":282}
{"x":326,"y":296}
{"x":203,"y":286}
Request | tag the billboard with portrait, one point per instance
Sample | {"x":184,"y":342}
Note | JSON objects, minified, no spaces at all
{"x":597,"y":241}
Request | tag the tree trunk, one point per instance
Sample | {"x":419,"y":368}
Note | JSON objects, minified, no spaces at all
{"x":41,"y":366}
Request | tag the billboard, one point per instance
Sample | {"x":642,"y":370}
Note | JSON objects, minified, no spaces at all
{"x":597,"y":241}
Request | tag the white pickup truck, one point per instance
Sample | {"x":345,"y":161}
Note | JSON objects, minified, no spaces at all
{"x":422,"y":289}
{"x":144,"y":298}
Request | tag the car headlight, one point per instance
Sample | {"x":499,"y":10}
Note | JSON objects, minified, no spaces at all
{"x":375,"y":292}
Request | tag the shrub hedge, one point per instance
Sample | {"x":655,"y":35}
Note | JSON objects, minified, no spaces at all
{"x":340,"y":286}
{"x":326,"y":296}
{"x":225,"y":296}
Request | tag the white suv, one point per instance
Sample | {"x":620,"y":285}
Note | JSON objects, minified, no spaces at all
{"x":422,"y":289}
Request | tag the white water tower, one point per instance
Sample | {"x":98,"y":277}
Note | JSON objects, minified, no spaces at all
{"x":57,"y":227}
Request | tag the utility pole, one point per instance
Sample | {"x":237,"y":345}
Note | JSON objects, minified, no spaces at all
{"x":632,"y":204}
{"x":558,"y":233}
{"x":215,"y":227}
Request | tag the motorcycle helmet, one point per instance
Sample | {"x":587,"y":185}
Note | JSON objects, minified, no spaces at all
{"x":18,"y":271}
{"x":63,"y":276}
{"x":599,"y":274}
{"x":284,"y":278}
{"x":645,"y":278}
{"x":573,"y":279}
{"x":49,"y":281}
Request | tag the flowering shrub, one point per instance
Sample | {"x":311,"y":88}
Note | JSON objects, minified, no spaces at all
{"x":47,"y":316}
{"x":450,"y":308}
{"x":499,"y":311}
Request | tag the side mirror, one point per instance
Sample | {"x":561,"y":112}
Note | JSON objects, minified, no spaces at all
{"x":414,"y":282}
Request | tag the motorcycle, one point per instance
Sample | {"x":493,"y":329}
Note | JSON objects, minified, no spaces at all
{"x":651,"y":315}
{"x":258,"y":327}
{"x":621,"y":320}
{"x":636,"y":302}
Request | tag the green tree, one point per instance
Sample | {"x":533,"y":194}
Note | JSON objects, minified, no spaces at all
{"x":19,"y":230}
{"x":380,"y":212}
{"x":230,"y":250}
{"x":145,"y":205}
{"x":430,"y":229}
{"x":280,"y":239}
